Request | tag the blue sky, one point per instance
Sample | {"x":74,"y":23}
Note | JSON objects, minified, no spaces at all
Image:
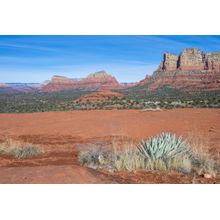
{"x":128,"y":58}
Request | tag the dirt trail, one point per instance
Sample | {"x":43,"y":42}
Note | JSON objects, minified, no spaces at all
{"x":63,"y":134}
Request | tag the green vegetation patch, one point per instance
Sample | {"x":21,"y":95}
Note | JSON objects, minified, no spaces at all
{"x":165,"y":152}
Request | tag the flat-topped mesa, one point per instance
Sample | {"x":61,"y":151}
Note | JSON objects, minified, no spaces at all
{"x":60,"y":80}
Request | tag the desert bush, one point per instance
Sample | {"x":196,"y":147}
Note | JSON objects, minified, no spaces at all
{"x":201,"y":156}
{"x":96,"y":159}
{"x":19,"y":150}
{"x":90,"y":158}
{"x":133,"y":159}
{"x":165,"y":152}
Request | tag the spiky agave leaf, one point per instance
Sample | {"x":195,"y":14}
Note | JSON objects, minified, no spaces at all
{"x":164,"y":146}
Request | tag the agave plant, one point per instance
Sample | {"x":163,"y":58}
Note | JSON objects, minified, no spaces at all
{"x":165,"y":146}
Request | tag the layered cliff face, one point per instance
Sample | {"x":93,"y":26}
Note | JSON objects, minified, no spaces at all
{"x":191,"y":59}
{"x":192,"y":70}
{"x":95,"y":81}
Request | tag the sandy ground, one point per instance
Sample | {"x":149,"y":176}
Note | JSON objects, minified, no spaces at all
{"x":64,"y":134}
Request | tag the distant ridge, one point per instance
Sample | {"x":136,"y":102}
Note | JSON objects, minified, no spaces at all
{"x":191,"y":70}
{"x":100,"y":80}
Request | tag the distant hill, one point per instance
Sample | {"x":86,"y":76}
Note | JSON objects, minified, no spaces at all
{"x":96,"y":81}
{"x":19,"y":87}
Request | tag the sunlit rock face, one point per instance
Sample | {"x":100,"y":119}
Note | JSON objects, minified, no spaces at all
{"x":191,"y":70}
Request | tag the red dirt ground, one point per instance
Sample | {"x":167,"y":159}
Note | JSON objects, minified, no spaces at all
{"x":63,"y":134}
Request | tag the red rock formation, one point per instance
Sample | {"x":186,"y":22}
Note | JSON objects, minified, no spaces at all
{"x":170,"y":62}
{"x":192,"y":70}
{"x":59,"y":83}
{"x":146,"y":80}
{"x":191,"y":59}
{"x":99,"y":96}
{"x":95,"y":81}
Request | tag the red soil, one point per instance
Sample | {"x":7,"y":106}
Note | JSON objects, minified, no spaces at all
{"x":63,"y":134}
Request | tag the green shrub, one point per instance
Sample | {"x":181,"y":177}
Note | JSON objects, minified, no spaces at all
{"x":165,"y":146}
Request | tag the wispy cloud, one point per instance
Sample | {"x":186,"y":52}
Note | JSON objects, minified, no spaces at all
{"x":27,"y":46}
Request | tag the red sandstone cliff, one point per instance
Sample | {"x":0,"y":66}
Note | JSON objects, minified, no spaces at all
{"x":192,"y":70}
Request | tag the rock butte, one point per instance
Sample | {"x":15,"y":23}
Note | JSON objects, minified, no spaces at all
{"x":192,"y":70}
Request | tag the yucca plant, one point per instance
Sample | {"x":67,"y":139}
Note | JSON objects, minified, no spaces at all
{"x":165,"y":146}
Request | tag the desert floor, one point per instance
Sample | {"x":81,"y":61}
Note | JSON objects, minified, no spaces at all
{"x":64,"y":134}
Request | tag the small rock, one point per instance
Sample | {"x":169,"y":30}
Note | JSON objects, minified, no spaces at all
{"x":207,"y":176}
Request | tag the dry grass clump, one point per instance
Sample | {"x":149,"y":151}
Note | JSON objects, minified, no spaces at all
{"x":202,"y":158}
{"x":165,"y":152}
{"x":128,"y":159}
{"x":133,"y":158}
{"x":19,"y":150}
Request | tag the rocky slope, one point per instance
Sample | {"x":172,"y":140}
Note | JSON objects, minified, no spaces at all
{"x":95,"y":81}
{"x":192,"y":70}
